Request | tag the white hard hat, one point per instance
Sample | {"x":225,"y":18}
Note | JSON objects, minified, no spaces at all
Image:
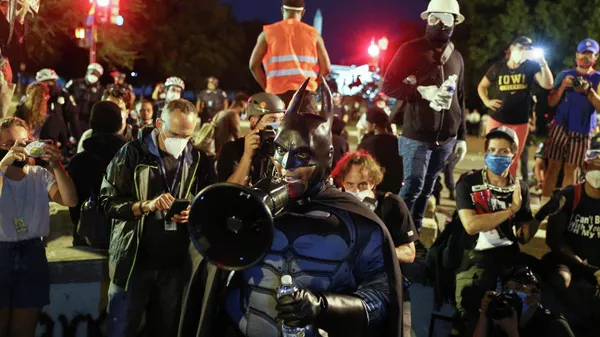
{"x":97,"y":67}
{"x":444,"y":6}
{"x":46,"y":74}
{"x":176,"y":81}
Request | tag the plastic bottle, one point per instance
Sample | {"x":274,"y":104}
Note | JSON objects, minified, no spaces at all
{"x":287,"y":288}
{"x":448,"y":89}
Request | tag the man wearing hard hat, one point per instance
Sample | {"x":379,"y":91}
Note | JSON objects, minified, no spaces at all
{"x":427,"y":75}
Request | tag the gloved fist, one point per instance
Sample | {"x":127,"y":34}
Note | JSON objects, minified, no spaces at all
{"x":301,"y":308}
{"x":460,"y":151}
{"x":552,"y":207}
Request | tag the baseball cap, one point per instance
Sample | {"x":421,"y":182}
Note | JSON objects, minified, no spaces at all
{"x":523,"y":41}
{"x":588,"y":45}
{"x":378,"y":117}
{"x":503,"y":132}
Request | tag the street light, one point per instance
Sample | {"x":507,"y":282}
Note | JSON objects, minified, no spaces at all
{"x":120,"y":20}
{"x":373,"y":50}
{"x":80,"y":33}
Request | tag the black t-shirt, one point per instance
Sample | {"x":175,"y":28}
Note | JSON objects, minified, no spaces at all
{"x":503,"y":235}
{"x":159,"y":247}
{"x":395,"y":215}
{"x":384,"y":148}
{"x":582,"y":232}
{"x":229,"y":158}
{"x":513,"y":87}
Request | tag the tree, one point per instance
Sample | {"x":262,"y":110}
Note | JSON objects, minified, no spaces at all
{"x":192,"y":39}
{"x":50,"y":36}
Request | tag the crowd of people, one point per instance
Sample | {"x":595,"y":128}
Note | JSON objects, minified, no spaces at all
{"x":129,"y":169}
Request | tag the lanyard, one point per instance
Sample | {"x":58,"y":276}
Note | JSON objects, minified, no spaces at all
{"x":163,"y":173}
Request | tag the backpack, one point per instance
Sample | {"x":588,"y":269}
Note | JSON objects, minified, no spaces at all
{"x":93,"y":224}
{"x":204,"y":135}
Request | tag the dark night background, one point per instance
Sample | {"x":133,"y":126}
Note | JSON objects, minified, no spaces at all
{"x":348,"y":25}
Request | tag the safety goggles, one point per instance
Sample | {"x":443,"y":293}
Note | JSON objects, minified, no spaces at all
{"x":446,"y":19}
{"x":591,"y":155}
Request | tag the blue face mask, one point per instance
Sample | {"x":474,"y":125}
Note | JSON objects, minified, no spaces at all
{"x":523,"y":297}
{"x":498,"y":163}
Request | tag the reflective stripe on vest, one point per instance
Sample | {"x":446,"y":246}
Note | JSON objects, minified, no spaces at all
{"x":287,"y":58}
{"x":292,"y":72}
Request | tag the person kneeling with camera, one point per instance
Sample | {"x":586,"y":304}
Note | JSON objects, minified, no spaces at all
{"x":247,"y":160}
{"x":517,"y":312}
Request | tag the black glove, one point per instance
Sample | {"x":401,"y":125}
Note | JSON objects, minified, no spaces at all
{"x":553,"y":206}
{"x":338,"y":315}
{"x":301,"y":308}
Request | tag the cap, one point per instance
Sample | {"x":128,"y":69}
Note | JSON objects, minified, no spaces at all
{"x":523,"y":41}
{"x":503,"y":132}
{"x":588,"y":45}
{"x":293,"y":5}
{"x":264,"y":103}
{"x":96,"y":67}
{"x":377,"y":116}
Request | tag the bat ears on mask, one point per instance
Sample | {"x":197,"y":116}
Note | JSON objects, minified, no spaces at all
{"x":326,"y":112}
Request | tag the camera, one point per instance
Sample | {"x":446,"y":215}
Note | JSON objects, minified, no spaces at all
{"x":578,"y":82}
{"x":502,"y":305}
{"x":267,"y":140}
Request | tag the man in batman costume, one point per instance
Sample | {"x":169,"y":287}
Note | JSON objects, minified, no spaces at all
{"x":338,"y":252}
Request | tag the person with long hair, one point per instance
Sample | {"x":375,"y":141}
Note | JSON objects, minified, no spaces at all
{"x":34,"y":111}
{"x":25,"y":192}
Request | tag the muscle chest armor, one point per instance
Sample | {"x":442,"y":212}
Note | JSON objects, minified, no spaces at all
{"x":317,"y":248}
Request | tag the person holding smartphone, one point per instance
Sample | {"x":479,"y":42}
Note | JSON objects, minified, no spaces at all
{"x":147,"y":191}
{"x":25,"y":193}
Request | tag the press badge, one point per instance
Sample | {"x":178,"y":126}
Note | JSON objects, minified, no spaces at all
{"x":170,"y":226}
{"x":20,"y":225}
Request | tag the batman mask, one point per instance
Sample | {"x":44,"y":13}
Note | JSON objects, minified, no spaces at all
{"x":303,"y":142}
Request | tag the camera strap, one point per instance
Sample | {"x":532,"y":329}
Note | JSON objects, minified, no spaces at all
{"x":163,"y":173}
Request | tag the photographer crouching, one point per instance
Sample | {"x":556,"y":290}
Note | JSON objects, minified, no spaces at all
{"x":247,"y":160}
{"x":517,"y":312}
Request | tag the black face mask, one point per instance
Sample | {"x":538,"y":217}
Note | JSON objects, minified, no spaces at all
{"x":304,"y":140}
{"x":439,"y":34}
{"x":19,"y":164}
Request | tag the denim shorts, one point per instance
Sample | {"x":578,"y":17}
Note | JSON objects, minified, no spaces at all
{"x":24,"y":274}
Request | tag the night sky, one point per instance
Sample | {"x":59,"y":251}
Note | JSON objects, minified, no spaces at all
{"x":348,"y":25}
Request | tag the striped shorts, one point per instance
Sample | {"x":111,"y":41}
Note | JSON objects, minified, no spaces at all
{"x":567,"y":146}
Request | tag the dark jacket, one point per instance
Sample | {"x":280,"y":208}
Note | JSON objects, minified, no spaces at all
{"x":82,"y":97}
{"x":87,"y":168}
{"x":384,"y":148}
{"x":420,"y":59}
{"x":130,"y":177}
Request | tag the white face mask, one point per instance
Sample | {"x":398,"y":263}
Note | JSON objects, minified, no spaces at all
{"x":516,"y":56}
{"x":593,"y":177}
{"x":175,"y":146}
{"x":361,"y":195}
{"x":171,"y":96}
{"x":91,"y":78}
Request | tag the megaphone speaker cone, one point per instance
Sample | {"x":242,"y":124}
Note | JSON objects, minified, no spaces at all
{"x":231,"y":226}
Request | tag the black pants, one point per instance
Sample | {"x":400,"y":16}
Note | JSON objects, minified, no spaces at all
{"x":308,"y":105}
{"x":157,"y":291}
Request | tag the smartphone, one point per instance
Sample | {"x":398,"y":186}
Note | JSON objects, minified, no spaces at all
{"x":36,"y":148}
{"x":177,"y":207}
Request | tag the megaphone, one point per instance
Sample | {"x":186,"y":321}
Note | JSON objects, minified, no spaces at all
{"x":232,"y":225}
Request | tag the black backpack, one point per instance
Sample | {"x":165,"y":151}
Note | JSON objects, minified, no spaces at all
{"x":93,"y":224}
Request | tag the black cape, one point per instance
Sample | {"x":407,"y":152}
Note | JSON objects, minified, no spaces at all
{"x":204,"y":292}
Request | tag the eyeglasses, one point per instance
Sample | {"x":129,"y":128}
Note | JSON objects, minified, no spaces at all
{"x":446,"y":19}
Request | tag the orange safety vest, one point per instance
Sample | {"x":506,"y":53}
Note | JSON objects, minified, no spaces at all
{"x":291,"y":56}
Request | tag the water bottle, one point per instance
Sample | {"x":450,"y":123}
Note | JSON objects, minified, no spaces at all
{"x":447,"y":89}
{"x":287,"y":288}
